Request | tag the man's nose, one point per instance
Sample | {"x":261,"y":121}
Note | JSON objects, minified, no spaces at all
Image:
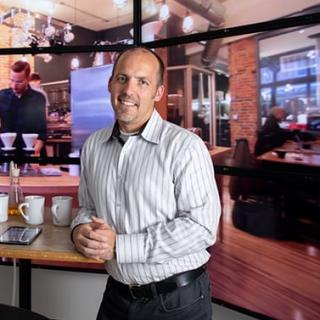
{"x":129,"y":86}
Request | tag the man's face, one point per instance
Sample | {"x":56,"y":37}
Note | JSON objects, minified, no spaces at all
{"x":18,"y":82}
{"x":134,"y":89}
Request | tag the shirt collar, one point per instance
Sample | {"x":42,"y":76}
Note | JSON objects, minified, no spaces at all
{"x":151,"y":131}
{"x":24,"y":93}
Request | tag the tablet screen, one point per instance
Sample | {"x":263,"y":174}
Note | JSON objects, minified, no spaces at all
{"x":19,"y":235}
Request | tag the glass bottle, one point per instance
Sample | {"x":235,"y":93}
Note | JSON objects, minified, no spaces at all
{"x":15,"y":191}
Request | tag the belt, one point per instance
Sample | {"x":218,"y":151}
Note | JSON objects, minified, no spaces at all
{"x":152,"y":290}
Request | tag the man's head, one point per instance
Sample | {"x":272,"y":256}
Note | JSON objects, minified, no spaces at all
{"x":135,"y":85}
{"x":279,"y":113}
{"x":35,"y":79}
{"x":19,"y":77}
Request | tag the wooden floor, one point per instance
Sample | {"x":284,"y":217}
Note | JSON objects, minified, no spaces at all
{"x":280,"y":279}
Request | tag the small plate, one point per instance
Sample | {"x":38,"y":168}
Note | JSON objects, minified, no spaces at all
{"x":50,"y":171}
{"x":8,"y":148}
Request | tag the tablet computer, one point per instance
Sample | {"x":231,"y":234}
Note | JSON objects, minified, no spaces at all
{"x":19,"y":235}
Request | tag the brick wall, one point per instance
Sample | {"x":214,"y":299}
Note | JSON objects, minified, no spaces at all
{"x":6,"y":42}
{"x":243,"y":66}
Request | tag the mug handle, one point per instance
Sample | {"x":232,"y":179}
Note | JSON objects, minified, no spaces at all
{"x":54,"y":209}
{"x":21,"y":205}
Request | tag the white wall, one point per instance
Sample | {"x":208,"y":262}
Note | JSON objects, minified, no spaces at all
{"x":67,"y":295}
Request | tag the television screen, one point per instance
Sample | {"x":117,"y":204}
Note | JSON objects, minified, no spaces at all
{"x":90,"y":102}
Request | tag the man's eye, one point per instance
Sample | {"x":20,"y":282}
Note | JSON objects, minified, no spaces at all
{"x":143,"y":82}
{"x":121,"y":79}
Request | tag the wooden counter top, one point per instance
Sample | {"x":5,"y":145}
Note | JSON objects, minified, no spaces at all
{"x":45,"y":184}
{"x":53,"y":244}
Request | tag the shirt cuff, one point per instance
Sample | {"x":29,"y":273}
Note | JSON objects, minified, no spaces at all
{"x":131,"y":248}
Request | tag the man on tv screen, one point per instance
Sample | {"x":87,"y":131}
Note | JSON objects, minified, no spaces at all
{"x":22,"y":110}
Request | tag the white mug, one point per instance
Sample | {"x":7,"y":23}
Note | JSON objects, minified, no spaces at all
{"x":34,"y":209}
{"x":74,"y":169}
{"x":3,"y":207}
{"x":61,"y":210}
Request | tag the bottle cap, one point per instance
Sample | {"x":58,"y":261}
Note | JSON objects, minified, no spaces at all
{"x":15,"y":172}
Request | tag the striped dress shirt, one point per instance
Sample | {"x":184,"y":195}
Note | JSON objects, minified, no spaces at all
{"x":158,"y":193}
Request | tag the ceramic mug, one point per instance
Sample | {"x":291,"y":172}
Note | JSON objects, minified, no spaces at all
{"x":3,"y":207}
{"x":34,"y":209}
{"x":61,"y":210}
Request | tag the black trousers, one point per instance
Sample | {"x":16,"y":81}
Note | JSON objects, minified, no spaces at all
{"x":192,"y":302}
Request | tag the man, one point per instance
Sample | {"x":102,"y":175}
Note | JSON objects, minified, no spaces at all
{"x":22,"y":110}
{"x":149,"y":205}
{"x":35,"y":84}
{"x":271,"y":134}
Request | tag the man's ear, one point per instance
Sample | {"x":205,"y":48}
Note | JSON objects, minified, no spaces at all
{"x":159,"y":93}
{"x":109,"y":84}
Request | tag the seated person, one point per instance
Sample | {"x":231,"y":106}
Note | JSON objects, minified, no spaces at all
{"x":272,"y":135}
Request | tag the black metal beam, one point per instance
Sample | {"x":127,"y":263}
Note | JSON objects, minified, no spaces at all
{"x":290,"y":22}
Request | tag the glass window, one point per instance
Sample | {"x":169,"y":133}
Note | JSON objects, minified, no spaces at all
{"x":265,"y":101}
{"x":45,"y":23}
{"x":295,"y":64}
{"x":266,"y":75}
{"x":175,"y":18}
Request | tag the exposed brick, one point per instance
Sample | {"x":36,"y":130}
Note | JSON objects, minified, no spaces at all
{"x":243,"y":66}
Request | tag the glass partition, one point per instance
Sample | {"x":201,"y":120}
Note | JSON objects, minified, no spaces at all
{"x":289,"y":74}
{"x":190,"y":100}
{"x":49,"y":23}
{"x":175,"y":18}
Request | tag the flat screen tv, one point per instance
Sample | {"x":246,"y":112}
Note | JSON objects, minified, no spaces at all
{"x":90,"y":102}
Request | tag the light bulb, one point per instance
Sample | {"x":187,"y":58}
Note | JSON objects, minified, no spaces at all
{"x":164,"y":13}
{"x":75,"y":63}
{"x":187,"y":24}
{"x":49,"y":31}
{"x":68,"y":37}
{"x":24,"y":58}
{"x":120,"y":3}
{"x":68,"y":27}
{"x":47,"y":58}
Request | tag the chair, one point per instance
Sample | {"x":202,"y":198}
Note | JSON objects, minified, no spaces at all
{"x":242,"y":186}
{"x":14,"y":313}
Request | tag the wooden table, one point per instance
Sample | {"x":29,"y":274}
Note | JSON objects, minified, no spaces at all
{"x":293,"y":157}
{"x":218,"y":151}
{"x":295,"y":154}
{"x":53,"y":244}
